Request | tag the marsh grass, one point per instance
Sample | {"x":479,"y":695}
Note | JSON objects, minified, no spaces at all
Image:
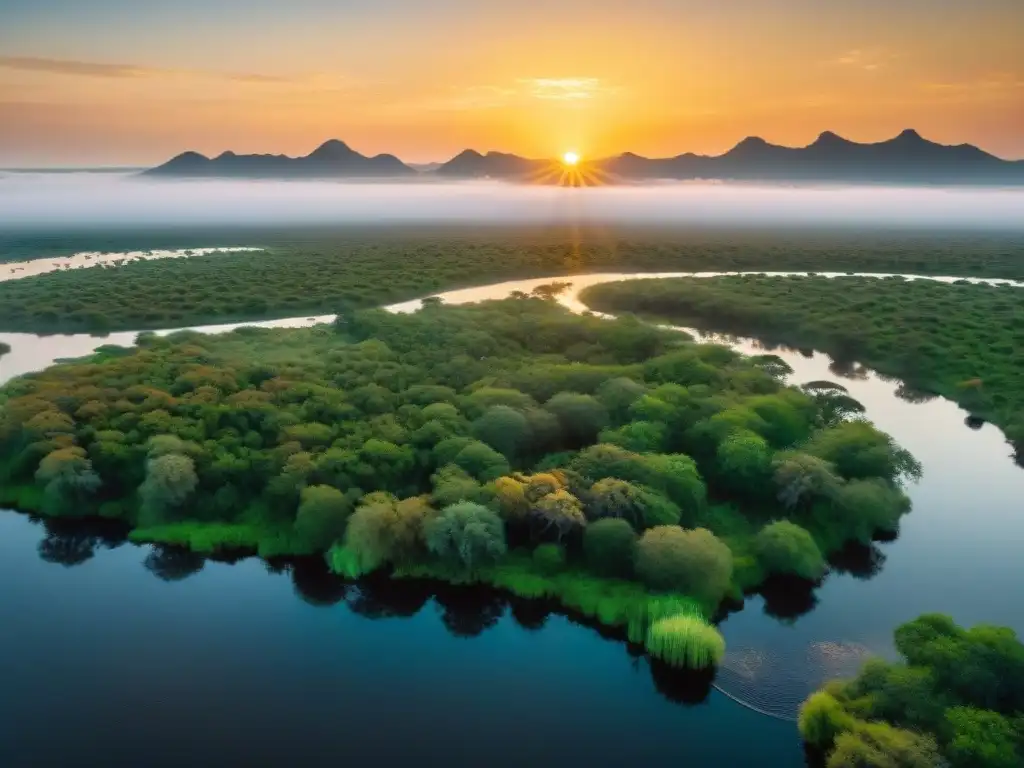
{"x":209,"y":538}
{"x":685,"y":641}
{"x":615,"y":603}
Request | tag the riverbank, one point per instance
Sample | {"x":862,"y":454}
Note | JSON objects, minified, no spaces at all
{"x":958,"y":341}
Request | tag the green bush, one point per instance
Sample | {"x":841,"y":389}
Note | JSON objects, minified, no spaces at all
{"x":783,"y":547}
{"x":693,"y":562}
{"x":609,"y":547}
{"x":549,"y":559}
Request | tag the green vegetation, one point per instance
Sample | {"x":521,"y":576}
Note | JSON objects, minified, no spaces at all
{"x":464,"y":443}
{"x":684,"y":641}
{"x":311,"y":271}
{"x":956,"y":699}
{"x":962,"y":341}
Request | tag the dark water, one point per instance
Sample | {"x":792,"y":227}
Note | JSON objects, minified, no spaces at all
{"x":108,"y":663}
{"x":119,"y":661}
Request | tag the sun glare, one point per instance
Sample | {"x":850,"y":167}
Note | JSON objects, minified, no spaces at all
{"x":571,"y":158}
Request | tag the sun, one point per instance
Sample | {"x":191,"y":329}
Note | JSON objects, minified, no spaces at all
{"x":571,"y":158}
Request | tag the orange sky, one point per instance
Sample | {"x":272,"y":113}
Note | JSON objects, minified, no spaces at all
{"x":116,"y":82}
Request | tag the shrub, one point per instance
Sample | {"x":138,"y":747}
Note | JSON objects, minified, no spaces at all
{"x":783,"y":547}
{"x":609,"y":546}
{"x":549,"y":559}
{"x":822,"y":718}
{"x":693,"y":562}
{"x":685,"y":641}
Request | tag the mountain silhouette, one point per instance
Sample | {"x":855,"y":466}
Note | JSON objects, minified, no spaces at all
{"x":332,"y":159}
{"x":470,"y":164}
{"x":905,"y":159}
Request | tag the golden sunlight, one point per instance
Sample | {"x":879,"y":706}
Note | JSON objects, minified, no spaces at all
{"x":571,"y":158}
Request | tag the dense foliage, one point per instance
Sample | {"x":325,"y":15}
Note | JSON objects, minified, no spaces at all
{"x":448,"y":441}
{"x":956,"y":699}
{"x":962,"y":341}
{"x":313,"y":271}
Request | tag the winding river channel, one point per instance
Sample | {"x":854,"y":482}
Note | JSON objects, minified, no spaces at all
{"x":118,"y":655}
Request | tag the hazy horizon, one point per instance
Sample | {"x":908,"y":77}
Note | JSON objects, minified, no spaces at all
{"x":50,"y":200}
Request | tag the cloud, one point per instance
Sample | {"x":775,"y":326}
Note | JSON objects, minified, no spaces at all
{"x":123,"y":71}
{"x":565,"y":88}
{"x":867,"y":60}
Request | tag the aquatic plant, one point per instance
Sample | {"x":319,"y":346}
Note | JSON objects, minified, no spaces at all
{"x":685,"y":641}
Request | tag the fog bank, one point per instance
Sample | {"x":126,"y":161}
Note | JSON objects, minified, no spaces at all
{"x":28,"y":199}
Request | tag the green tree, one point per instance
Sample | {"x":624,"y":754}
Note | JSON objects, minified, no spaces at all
{"x":558,"y":512}
{"x":982,"y":739}
{"x":802,"y":479}
{"x":385,"y":530}
{"x":693,"y":562}
{"x":877,"y":745}
{"x":69,"y":478}
{"x":505,"y":430}
{"x":581,"y":417}
{"x":786,"y":548}
{"x":744,"y":458}
{"x":170,"y":481}
{"x":323,"y":512}
{"x":466,"y":534}
{"x":639,"y":506}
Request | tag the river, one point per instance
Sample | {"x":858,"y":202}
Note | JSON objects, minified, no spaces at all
{"x":119,"y":661}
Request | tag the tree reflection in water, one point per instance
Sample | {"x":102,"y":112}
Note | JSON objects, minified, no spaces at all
{"x":173,"y":563}
{"x":787,"y":598}
{"x":910,"y":394}
{"x":314,"y":584}
{"x":681,"y":686}
{"x":858,"y":560}
{"x":73,"y":542}
{"x":380,"y":597}
{"x":531,"y":615}
{"x":467,"y":611}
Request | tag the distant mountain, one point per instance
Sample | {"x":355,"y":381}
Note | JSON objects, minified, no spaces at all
{"x":907,"y":158}
{"x":470,"y":164}
{"x":332,"y":159}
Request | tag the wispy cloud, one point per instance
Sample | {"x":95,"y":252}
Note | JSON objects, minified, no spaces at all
{"x":863,"y":59}
{"x":124,"y":71}
{"x":565,"y":88}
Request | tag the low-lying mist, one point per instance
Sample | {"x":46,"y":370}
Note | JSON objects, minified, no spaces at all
{"x":74,"y":199}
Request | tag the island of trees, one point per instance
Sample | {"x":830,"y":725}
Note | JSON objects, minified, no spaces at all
{"x":637,"y":477}
{"x":956,"y":699}
{"x":963,"y":341}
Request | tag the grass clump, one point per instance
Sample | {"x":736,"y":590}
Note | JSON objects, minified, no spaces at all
{"x":685,"y":641}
